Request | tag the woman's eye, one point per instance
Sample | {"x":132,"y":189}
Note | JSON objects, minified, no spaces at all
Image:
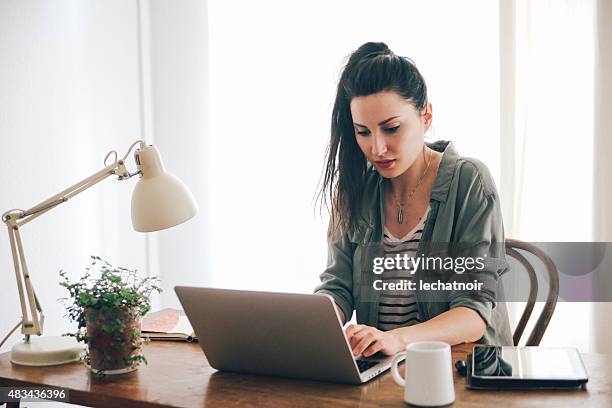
{"x":363,"y":132}
{"x":392,"y":130}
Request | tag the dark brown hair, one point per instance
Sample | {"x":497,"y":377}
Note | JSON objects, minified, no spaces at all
{"x":372,"y":68}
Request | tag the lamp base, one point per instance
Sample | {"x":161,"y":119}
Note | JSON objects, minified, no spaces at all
{"x":46,"y":351}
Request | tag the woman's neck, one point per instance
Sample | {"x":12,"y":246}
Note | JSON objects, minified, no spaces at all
{"x":407,"y":181}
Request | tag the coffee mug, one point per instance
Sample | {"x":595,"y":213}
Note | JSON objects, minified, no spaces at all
{"x":429,"y":373}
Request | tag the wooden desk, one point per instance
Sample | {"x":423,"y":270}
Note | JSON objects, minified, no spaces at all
{"x":179,"y":375}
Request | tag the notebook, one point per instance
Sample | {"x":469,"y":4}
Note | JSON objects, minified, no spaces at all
{"x":167,"y":324}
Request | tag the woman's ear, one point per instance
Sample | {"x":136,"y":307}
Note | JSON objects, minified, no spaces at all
{"x":428,"y":115}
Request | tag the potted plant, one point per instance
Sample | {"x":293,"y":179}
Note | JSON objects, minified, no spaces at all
{"x":107,"y":303}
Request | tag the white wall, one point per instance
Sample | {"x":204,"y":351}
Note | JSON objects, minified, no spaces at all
{"x":68,"y":94}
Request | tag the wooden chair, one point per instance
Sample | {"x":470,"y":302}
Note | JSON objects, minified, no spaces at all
{"x":512,"y":245}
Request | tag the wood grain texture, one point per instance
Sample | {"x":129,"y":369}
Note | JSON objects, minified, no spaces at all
{"x":178,"y":375}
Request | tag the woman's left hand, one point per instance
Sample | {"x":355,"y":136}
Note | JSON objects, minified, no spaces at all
{"x":368,"y":340}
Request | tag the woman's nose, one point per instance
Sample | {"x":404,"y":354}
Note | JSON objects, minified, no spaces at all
{"x":379,"y":147}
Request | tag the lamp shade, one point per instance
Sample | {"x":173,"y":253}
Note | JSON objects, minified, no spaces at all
{"x":160,"y":200}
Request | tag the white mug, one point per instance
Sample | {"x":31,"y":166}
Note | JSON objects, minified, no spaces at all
{"x":429,"y":374}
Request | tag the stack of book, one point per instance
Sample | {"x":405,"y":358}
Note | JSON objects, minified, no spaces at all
{"x":167,"y":324}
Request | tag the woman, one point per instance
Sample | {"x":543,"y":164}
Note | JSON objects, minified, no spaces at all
{"x":392,"y":194}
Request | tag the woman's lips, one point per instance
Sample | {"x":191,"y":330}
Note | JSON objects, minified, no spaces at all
{"x":384,"y":164}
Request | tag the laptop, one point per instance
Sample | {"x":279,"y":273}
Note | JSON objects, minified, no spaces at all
{"x":278,"y":334}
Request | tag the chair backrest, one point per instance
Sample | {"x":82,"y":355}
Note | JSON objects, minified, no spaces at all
{"x":512,"y":247}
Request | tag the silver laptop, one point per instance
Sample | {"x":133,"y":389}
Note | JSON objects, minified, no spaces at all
{"x":280,"y":334}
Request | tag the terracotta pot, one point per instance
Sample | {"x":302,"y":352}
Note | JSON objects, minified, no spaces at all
{"x":109,"y":350}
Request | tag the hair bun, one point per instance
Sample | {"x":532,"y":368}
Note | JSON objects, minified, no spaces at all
{"x":370,"y":49}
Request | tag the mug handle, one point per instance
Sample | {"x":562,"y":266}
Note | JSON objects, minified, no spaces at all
{"x":395,"y":372}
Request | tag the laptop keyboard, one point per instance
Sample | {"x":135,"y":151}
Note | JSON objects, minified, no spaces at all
{"x":363,"y":365}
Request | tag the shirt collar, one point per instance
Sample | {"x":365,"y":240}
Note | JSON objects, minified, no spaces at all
{"x":446,"y":169}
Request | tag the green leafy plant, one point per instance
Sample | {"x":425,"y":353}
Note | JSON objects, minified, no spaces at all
{"x":107,"y":304}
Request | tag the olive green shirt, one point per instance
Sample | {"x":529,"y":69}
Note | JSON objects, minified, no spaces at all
{"x":465,"y":209}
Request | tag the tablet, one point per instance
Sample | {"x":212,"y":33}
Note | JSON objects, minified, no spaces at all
{"x":526,"y":367}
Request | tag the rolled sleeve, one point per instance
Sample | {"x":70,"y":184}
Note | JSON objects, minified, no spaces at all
{"x":482,"y":307}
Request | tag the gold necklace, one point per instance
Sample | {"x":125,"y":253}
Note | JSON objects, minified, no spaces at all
{"x":400,"y":205}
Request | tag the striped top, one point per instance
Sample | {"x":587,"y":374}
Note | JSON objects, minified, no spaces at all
{"x":397,"y":308}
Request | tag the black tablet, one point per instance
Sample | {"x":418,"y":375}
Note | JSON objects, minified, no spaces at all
{"x":493,"y":367}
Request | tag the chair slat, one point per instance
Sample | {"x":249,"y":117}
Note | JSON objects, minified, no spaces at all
{"x":512,"y":245}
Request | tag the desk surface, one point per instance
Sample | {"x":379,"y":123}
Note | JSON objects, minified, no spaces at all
{"x":179,"y":375}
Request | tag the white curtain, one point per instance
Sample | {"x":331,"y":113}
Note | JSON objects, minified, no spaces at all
{"x":602,"y":197}
{"x":562,"y":112}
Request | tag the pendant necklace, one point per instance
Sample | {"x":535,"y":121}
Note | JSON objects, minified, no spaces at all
{"x":400,"y":204}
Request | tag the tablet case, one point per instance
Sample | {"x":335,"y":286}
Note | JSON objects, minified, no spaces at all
{"x":506,"y":383}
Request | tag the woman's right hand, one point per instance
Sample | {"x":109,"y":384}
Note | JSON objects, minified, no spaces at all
{"x":366,"y":340}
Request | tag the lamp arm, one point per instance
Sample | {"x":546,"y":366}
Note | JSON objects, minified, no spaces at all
{"x":32,"y":313}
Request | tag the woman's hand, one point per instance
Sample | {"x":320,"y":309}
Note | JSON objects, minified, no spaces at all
{"x":368,"y":340}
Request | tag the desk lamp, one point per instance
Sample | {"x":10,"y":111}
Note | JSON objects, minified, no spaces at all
{"x":159,"y":201}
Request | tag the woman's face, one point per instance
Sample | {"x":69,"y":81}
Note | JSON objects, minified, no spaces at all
{"x":389,"y":131}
